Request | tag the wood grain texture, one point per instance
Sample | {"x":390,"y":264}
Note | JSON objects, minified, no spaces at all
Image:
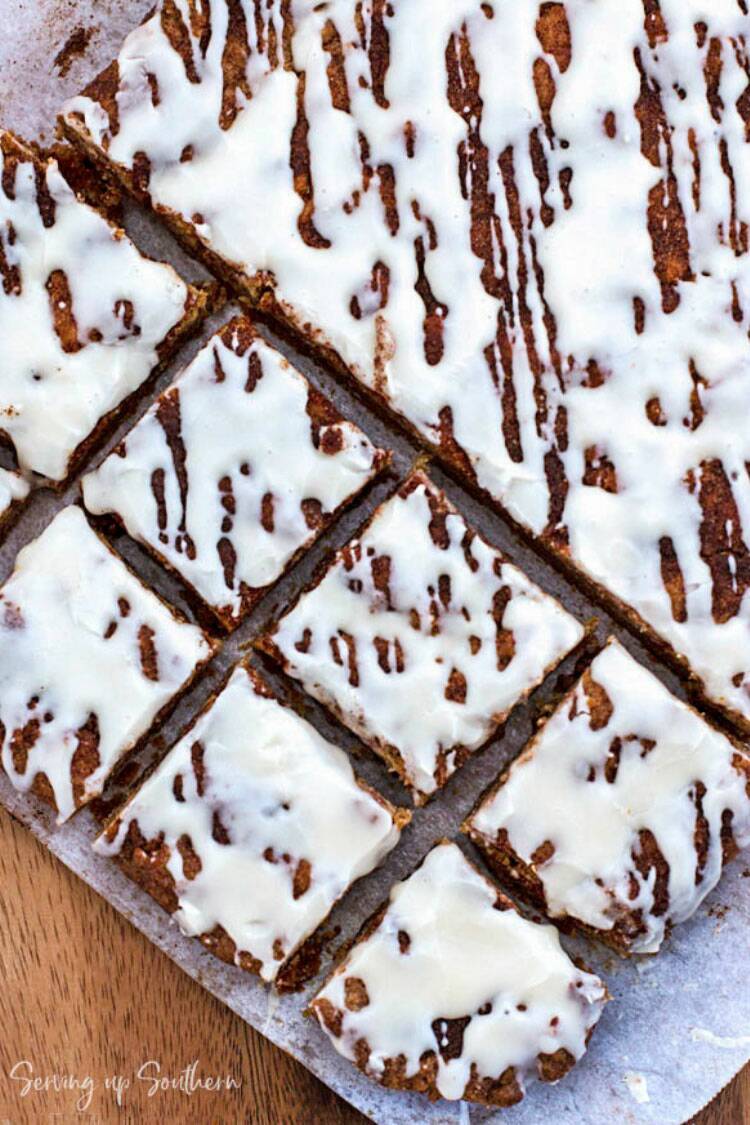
{"x":84,"y":993}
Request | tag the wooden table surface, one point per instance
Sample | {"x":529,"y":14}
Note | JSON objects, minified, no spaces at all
{"x":86,"y":994}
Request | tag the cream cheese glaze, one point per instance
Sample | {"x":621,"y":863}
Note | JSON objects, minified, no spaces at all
{"x":454,"y":970}
{"x":82,"y":313}
{"x":524,"y":225}
{"x":624,"y":806}
{"x":13,"y":489}
{"x":265,"y":803}
{"x":421,"y":636}
{"x":234,"y":470}
{"x":88,"y":658}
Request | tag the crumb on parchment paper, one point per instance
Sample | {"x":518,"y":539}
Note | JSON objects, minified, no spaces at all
{"x":75,"y":47}
{"x":637,"y":1085}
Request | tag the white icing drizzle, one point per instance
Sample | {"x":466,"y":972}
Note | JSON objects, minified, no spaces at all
{"x":577,"y":339}
{"x":54,"y":391}
{"x":218,"y":476}
{"x":727,"y":1042}
{"x":655,"y":765}
{"x":13,"y":489}
{"x":282,"y":795}
{"x":73,"y":621}
{"x":421,"y":636}
{"x":444,"y":952}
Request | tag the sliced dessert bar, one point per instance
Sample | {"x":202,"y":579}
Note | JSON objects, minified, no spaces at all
{"x":233,"y":471}
{"x":451,"y":992}
{"x":421,"y":637}
{"x":89,"y":658}
{"x":251,"y":829}
{"x":621,"y":811}
{"x":550,"y":284}
{"x":85,"y":319}
{"x":13,"y":491}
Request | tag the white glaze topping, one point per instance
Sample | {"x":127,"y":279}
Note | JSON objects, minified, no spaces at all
{"x":421,"y":637}
{"x":443,"y":952}
{"x":529,"y":232}
{"x":228,"y":476}
{"x":593,"y":781}
{"x":274,"y":814}
{"x":82,"y":313}
{"x":13,"y":488}
{"x":88,"y":657}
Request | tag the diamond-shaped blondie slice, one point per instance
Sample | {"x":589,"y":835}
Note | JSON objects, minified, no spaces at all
{"x":234,"y":470}
{"x":85,"y":318}
{"x":451,"y":992}
{"x":89,"y":658}
{"x":251,"y":829}
{"x":622,"y":810}
{"x":421,"y":637}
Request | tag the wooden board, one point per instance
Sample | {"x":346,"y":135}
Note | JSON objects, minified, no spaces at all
{"x":86,"y":994}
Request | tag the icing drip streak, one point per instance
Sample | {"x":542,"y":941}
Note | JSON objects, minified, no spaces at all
{"x":13,"y":489}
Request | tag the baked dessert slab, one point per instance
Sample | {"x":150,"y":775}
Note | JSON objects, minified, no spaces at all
{"x":552,"y":291}
{"x":235,"y":469}
{"x":250,"y":830}
{"x":421,"y":637}
{"x":449,"y":991}
{"x":14,"y":489}
{"x":621,"y":812}
{"x":89,"y":659}
{"x":85,"y":318}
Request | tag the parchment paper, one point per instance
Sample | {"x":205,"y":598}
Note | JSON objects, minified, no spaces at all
{"x":679,"y":1026}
